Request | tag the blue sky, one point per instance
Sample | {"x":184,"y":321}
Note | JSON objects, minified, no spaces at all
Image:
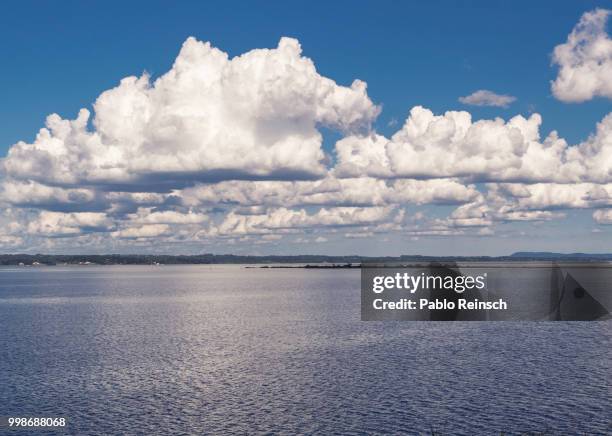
{"x":60,"y":56}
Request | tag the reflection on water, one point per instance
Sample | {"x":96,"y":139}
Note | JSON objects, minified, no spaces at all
{"x":216,"y":349}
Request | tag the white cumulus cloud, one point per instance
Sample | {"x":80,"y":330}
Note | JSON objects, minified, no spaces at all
{"x":585,"y":60}
{"x":208,"y":118}
{"x":67,"y":224}
{"x":430,"y":146}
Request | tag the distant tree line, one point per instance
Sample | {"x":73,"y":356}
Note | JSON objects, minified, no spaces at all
{"x":150,"y":259}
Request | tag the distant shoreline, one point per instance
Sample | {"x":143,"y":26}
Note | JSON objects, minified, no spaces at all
{"x":307,"y":261}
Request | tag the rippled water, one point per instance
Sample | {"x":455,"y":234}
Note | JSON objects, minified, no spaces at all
{"x":224,"y":349}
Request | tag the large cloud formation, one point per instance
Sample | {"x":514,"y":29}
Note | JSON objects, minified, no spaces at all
{"x":208,"y":118}
{"x":452,"y":145}
{"x":585,"y":60}
{"x":229,"y":151}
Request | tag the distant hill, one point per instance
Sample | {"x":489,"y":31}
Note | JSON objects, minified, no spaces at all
{"x":138,"y":259}
{"x":565,"y":256}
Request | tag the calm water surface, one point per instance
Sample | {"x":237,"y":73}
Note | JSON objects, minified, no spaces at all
{"x":224,"y":349}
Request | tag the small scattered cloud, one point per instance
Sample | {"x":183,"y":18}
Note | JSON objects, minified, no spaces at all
{"x":358,"y":235}
{"x":603,"y":216}
{"x":484,"y":97}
